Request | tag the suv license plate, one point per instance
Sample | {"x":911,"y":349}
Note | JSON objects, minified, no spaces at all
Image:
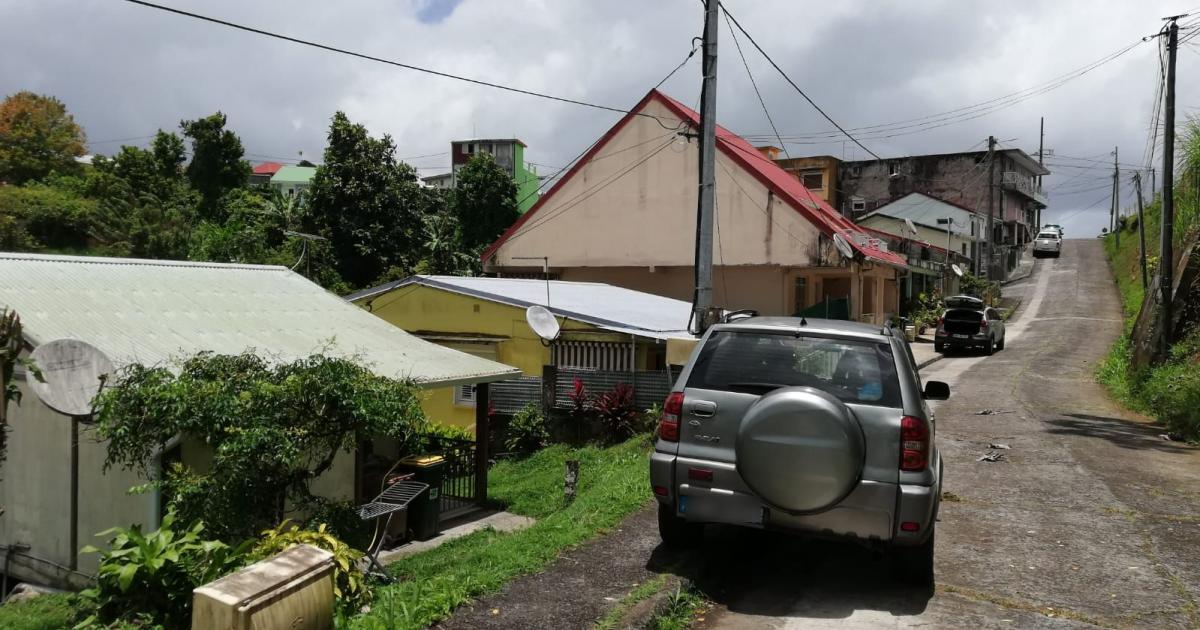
{"x":959,"y":336}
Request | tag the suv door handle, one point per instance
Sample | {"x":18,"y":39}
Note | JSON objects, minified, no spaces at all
{"x":702,"y":408}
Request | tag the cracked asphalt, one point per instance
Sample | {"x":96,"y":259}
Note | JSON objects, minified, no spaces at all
{"x":1089,"y":520}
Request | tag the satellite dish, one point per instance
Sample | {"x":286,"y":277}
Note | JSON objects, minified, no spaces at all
{"x":843,"y":246}
{"x":956,"y":269}
{"x":912,"y":228}
{"x":543,"y":322}
{"x":72,"y":373}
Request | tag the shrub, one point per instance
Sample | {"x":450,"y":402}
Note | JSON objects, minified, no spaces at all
{"x":617,"y":411}
{"x":349,"y":583}
{"x":527,"y":432}
{"x":151,"y":576}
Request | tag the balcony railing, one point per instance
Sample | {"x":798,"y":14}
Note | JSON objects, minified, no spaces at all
{"x":1012,"y":180}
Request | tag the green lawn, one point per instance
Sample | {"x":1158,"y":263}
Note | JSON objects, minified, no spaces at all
{"x":613,"y":484}
{"x":47,"y":612}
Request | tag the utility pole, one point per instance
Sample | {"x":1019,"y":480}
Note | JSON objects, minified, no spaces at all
{"x":1137,"y":182}
{"x":1041,"y":152}
{"x":703,"y":301}
{"x":991,"y":202}
{"x":1166,"y":259}
{"x":1116,"y":194}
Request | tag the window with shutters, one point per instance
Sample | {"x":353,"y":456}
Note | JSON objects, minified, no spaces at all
{"x":464,"y":395}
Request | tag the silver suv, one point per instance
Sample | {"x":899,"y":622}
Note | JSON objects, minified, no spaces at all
{"x":817,"y":427}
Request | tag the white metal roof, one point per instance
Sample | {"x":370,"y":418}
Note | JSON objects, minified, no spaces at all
{"x":925,"y":211}
{"x":602,"y":305}
{"x":150,"y":312}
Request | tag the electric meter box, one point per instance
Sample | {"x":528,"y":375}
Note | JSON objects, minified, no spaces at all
{"x":292,"y":589}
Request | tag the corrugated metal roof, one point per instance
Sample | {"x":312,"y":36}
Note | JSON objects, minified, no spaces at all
{"x":602,"y":305}
{"x":294,"y":174}
{"x":925,"y":210}
{"x":149,"y":312}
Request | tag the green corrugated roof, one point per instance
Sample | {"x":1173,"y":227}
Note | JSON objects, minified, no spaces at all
{"x":294,"y":175}
{"x":152,"y":311}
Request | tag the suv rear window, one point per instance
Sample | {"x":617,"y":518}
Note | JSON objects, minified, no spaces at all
{"x":1048,"y":236}
{"x":757,"y":362}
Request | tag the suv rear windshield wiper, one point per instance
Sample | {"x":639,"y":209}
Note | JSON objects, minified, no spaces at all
{"x":755,"y":388}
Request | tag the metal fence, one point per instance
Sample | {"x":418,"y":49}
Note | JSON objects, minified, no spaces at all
{"x":458,"y":477}
{"x":650,"y":387}
{"x":509,"y":397}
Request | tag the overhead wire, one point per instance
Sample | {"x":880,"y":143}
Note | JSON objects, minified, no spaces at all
{"x":793,"y":83}
{"x":390,"y":62}
{"x":754,"y":84}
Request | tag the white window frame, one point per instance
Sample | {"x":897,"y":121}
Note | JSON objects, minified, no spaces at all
{"x":813,"y":171}
{"x":858,"y":205}
{"x":464,"y":395}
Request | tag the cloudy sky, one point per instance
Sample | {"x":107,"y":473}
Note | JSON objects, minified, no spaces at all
{"x":125,"y":70}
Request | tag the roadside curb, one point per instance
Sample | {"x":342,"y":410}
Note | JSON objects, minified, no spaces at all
{"x":930,"y":361}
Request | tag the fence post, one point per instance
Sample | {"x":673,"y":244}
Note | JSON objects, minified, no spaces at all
{"x":482,"y":435}
{"x":549,"y":389}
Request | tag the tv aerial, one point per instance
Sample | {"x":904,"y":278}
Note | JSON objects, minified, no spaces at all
{"x":543,"y":322}
{"x":72,"y":373}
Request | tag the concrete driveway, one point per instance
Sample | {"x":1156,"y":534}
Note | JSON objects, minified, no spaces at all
{"x":1090,"y":518}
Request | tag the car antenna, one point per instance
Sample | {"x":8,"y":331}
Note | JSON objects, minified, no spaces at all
{"x":803,"y":322}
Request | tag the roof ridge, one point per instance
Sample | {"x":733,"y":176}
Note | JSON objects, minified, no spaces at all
{"x":143,"y":262}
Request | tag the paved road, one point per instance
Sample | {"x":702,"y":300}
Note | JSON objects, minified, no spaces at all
{"x":1090,"y":520}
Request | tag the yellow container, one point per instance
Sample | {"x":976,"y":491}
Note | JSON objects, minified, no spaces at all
{"x":422,"y":461}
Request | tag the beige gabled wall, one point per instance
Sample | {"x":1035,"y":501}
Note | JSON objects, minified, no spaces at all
{"x":634,"y":205}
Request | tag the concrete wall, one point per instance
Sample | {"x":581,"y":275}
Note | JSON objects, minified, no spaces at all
{"x":828,"y":165}
{"x":634,"y":205}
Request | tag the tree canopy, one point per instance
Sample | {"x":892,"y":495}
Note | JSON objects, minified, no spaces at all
{"x":271,"y":430}
{"x":485,"y":201}
{"x":217,"y":165}
{"x":37,"y":137}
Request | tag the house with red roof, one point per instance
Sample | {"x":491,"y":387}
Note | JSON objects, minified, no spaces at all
{"x":262,"y":173}
{"x":625,"y":214}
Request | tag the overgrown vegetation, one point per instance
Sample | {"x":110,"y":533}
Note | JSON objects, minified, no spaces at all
{"x":44,"y":612}
{"x":374,"y":219}
{"x":681,"y":611}
{"x":612,"y":485}
{"x":266,"y":430}
{"x":526,"y":431}
{"x":1169,"y":391}
{"x":349,"y":583}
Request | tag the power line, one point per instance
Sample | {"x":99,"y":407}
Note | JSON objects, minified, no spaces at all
{"x":390,"y":62}
{"x":793,"y":84}
{"x":755,"y":86}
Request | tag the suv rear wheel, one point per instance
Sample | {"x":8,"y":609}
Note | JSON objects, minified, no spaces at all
{"x":675,"y":531}
{"x":914,"y":565}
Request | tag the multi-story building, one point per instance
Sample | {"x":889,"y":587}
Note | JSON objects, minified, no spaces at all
{"x":509,"y":154}
{"x":858,"y":188}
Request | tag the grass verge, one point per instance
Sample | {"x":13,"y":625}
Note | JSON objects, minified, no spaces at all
{"x":646,"y":589}
{"x":45,"y":612}
{"x":612,"y":485}
{"x":682,"y":610}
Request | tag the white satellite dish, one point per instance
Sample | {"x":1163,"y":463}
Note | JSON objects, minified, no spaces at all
{"x":843,"y":245}
{"x":72,"y":372}
{"x":956,"y":269}
{"x":543,"y":322}
{"x":912,"y":228}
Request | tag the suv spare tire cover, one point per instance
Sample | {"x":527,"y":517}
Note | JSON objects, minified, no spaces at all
{"x":800,"y":449}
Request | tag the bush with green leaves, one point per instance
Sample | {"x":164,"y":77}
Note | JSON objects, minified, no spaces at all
{"x":617,"y":412}
{"x":149,"y":577}
{"x":349,"y":583}
{"x":271,"y":430}
{"x":527,"y":432}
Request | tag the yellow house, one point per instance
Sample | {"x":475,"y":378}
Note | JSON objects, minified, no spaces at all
{"x":603,"y":327}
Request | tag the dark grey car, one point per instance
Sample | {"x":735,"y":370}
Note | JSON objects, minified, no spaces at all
{"x":818,"y":427}
{"x":968,"y":323}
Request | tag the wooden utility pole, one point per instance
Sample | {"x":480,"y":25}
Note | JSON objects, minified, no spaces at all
{"x":1116,"y":202}
{"x":703,"y":300}
{"x":1166,"y":259}
{"x":991,"y":204}
{"x":1041,"y":151}
{"x":1137,"y":183}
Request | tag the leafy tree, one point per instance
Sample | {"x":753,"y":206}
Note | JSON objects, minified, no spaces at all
{"x":272,"y":429}
{"x":37,"y":137}
{"x":43,"y":216}
{"x":155,"y":172}
{"x":217,"y":165}
{"x":444,"y":254}
{"x":367,"y":204}
{"x":485,"y":200}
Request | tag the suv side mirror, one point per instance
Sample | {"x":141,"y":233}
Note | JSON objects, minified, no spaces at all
{"x":936,"y":390}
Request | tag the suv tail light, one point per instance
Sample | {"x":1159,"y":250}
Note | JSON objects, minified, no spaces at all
{"x":941,"y":323}
{"x":914,"y":444}
{"x":668,"y":426}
